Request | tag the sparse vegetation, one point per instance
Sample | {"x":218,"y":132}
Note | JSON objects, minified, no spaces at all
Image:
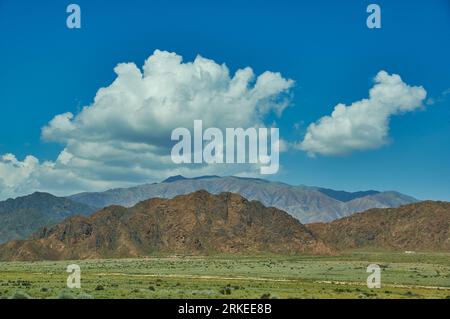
{"x":403,"y":276}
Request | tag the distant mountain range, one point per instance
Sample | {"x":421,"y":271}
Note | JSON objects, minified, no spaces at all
{"x":421,"y":226}
{"x":307,"y":204}
{"x":24,"y":215}
{"x":201,"y":224}
{"x":198,"y":223}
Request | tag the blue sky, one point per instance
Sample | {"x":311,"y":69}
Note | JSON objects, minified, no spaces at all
{"x":324,"y":46}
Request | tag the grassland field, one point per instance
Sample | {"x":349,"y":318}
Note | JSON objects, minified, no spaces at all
{"x":418,"y":275}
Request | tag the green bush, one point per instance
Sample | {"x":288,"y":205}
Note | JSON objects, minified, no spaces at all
{"x":20,"y":295}
{"x":64,"y":294}
{"x":225,"y":291}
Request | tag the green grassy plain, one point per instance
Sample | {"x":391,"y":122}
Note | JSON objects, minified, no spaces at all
{"x":419,"y":275}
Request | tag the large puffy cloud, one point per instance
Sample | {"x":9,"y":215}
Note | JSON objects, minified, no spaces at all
{"x":364,"y":124}
{"x":144,"y":106}
{"x":123,"y":137}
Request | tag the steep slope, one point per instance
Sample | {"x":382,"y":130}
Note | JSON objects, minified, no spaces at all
{"x":419,"y":226}
{"x":198,"y":223}
{"x":24,"y":215}
{"x":307,"y":204}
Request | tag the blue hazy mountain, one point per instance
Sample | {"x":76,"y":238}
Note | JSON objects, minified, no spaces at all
{"x":307,"y":204}
{"x":24,"y":215}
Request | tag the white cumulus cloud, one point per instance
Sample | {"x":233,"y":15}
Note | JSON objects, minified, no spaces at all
{"x":123,"y":137}
{"x":363,"y":124}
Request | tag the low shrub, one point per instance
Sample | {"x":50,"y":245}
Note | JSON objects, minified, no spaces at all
{"x":20,"y":295}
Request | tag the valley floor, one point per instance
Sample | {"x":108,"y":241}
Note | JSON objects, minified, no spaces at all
{"x":419,"y":275}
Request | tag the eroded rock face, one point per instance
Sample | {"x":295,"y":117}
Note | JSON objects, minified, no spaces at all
{"x":198,"y":223}
{"x":420,"y":226}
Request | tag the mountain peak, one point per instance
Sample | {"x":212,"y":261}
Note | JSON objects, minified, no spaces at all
{"x":34,"y":195}
{"x":197,"y":223}
{"x":42,"y":195}
{"x":177,"y":178}
{"x":174,"y":179}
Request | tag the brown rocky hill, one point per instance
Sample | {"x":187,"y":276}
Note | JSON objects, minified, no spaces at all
{"x":198,"y":223}
{"x":420,"y":226}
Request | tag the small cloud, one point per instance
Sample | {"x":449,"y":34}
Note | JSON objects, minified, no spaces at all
{"x":441,"y":98}
{"x":364,"y":124}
